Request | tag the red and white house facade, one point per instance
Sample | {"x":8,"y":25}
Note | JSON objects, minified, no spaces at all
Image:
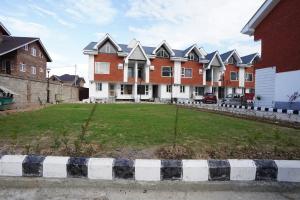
{"x":277,"y":25}
{"x":141,"y":73}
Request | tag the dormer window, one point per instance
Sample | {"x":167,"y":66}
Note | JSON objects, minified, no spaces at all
{"x":108,"y":48}
{"x":193,"y":56}
{"x":232,"y":61}
{"x":162,"y":53}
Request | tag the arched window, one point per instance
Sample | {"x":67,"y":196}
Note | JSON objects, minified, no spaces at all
{"x":162,"y":53}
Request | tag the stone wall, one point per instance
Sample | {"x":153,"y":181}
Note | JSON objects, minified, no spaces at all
{"x":30,"y":91}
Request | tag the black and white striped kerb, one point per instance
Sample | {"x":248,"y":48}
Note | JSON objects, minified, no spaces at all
{"x":77,"y":167}
{"x":149,"y":170}
{"x":219,"y":170}
{"x":171,"y":169}
{"x":33,"y":165}
{"x":265,"y":109}
{"x":123,"y":169}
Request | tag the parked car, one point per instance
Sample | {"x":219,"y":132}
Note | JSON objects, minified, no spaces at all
{"x":233,"y":99}
{"x":209,"y":98}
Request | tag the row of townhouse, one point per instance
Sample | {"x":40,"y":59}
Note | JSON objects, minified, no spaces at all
{"x":136,"y":72}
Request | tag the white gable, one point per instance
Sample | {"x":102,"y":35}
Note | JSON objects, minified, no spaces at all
{"x":137,"y":54}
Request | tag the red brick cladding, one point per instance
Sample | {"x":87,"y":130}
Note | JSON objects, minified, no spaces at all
{"x":156,"y":74}
{"x":227,"y":81}
{"x":252,"y":83}
{"x":115,"y":74}
{"x":22,"y":56}
{"x":197,"y":79}
{"x":280,"y":36}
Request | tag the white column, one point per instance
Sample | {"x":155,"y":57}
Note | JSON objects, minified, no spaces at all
{"x":125,"y":71}
{"x":135,"y":96}
{"x":147,"y":73}
{"x":91,"y":67}
{"x":242,"y":77}
{"x":177,"y":72}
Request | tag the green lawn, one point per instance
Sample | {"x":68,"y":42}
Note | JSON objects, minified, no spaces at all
{"x":142,"y":126}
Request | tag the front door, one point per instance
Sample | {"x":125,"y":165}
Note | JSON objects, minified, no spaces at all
{"x":112,"y":90}
{"x":221,"y":92}
{"x":155,"y":91}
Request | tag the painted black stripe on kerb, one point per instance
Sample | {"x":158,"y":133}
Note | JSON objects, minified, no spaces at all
{"x":240,"y":106}
{"x":77,"y":167}
{"x":33,"y":165}
{"x":296,"y":112}
{"x":274,"y":109}
{"x":266,"y":170}
{"x":258,"y":108}
{"x":266,"y":109}
{"x":252,"y":107}
{"x":219,"y":170}
{"x":284,"y":110}
{"x":171,"y":169}
{"x":123,"y":168}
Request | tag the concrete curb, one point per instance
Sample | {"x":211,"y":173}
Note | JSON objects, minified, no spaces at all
{"x":263,"y":109}
{"x":150,"y":170}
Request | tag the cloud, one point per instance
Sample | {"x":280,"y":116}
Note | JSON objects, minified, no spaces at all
{"x":91,"y":11}
{"x":25,"y":28}
{"x":193,"y":21}
{"x":53,"y":15}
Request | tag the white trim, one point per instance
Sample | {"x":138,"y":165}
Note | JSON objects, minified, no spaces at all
{"x":107,"y":37}
{"x":236,"y":56}
{"x":168,"y":47}
{"x":138,"y":44}
{"x":197,"y":50}
{"x":220,"y":60}
{"x":258,"y":17}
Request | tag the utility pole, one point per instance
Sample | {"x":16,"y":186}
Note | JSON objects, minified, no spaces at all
{"x":48,"y":86}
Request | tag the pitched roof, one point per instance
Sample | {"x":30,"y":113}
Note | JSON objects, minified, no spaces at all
{"x":248,"y":59}
{"x":259,"y":16}
{"x":4,"y":30}
{"x":11,"y":43}
{"x":225,"y":55}
{"x":69,"y":78}
{"x":210,"y":55}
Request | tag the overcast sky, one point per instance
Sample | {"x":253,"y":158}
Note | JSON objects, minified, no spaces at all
{"x":67,"y":26}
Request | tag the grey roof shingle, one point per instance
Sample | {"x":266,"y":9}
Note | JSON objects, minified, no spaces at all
{"x":11,"y":43}
{"x":225,"y":55}
{"x":70,"y":78}
{"x":210,"y":55}
{"x":248,"y":58}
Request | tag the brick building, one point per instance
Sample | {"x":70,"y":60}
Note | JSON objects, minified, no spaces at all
{"x":135,"y":72}
{"x":277,"y":25}
{"x":24,"y":57}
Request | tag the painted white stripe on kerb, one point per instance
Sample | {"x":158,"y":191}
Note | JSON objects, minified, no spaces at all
{"x":147,"y":170}
{"x":195,"y":170}
{"x":290,"y":111}
{"x":100,"y":168}
{"x":279,"y":110}
{"x":288,"y":170}
{"x":242,"y":170}
{"x":55,"y":167}
{"x":11,"y":165}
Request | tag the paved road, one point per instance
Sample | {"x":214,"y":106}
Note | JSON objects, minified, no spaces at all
{"x":39,"y":188}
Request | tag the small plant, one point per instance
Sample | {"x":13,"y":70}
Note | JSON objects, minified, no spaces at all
{"x":65,"y":140}
{"x":56,"y":143}
{"x":27,"y":148}
{"x":293,"y":98}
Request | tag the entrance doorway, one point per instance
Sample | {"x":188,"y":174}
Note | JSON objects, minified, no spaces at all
{"x":221,"y":92}
{"x":112,"y":92}
{"x":155,"y":91}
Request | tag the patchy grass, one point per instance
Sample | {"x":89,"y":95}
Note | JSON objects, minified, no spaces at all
{"x":147,"y":126}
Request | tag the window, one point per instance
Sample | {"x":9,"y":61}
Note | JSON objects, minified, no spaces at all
{"x":22,"y":67}
{"x":98,"y":86}
{"x":166,"y":71}
{"x":208,"y":74}
{"x":248,"y":77}
{"x":40,"y":54}
{"x":162,"y":53}
{"x":33,"y":51}
{"x":193,"y":56}
{"x":182,"y":89}
{"x":169,"y":88}
{"x":126,"y":89}
{"x":102,"y":67}
{"x":33,"y":70}
{"x":186,"y":72}
{"x":234,"y":76}
{"x":199,"y":91}
{"x":143,"y":89}
{"x":41,"y":70}
{"x":26,"y":47}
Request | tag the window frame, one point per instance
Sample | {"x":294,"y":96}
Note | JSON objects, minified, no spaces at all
{"x":165,"y":53}
{"x":197,"y":91}
{"x":162,"y":71}
{"x":182,"y":88}
{"x":98,"y":86}
{"x":33,"y":70}
{"x":33,"y":51}
{"x":98,"y":64}
{"x":22,"y":67}
{"x":183,"y":72}
{"x":237,"y":76}
{"x":26,"y":47}
{"x":246,"y":76}
{"x":169,"y":88}
{"x":123,"y":87}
